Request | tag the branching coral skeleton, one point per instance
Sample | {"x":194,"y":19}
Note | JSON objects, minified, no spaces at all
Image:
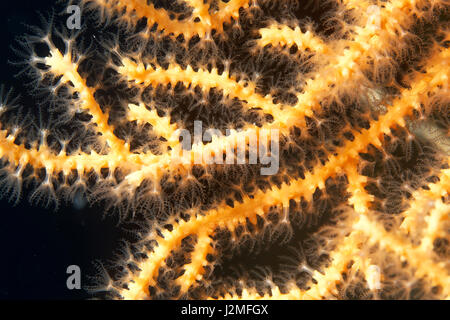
{"x":361,"y":190}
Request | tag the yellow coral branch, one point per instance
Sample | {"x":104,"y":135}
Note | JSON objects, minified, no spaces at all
{"x":62,"y":65}
{"x":44,"y":157}
{"x":283,"y":35}
{"x":161,"y":125}
{"x":359,"y":198}
{"x":194,"y":270}
{"x":137,"y":9}
{"x":203,"y":78}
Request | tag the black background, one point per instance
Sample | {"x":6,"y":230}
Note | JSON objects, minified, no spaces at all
{"x":37,"y":244}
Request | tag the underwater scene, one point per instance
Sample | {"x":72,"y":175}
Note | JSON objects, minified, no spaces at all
{"x":225,"y":149}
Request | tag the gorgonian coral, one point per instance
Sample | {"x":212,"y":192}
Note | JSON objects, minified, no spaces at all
{"x":356,"y":91}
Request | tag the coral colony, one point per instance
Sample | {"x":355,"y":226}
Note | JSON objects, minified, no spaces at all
{"x":315,"y":133}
